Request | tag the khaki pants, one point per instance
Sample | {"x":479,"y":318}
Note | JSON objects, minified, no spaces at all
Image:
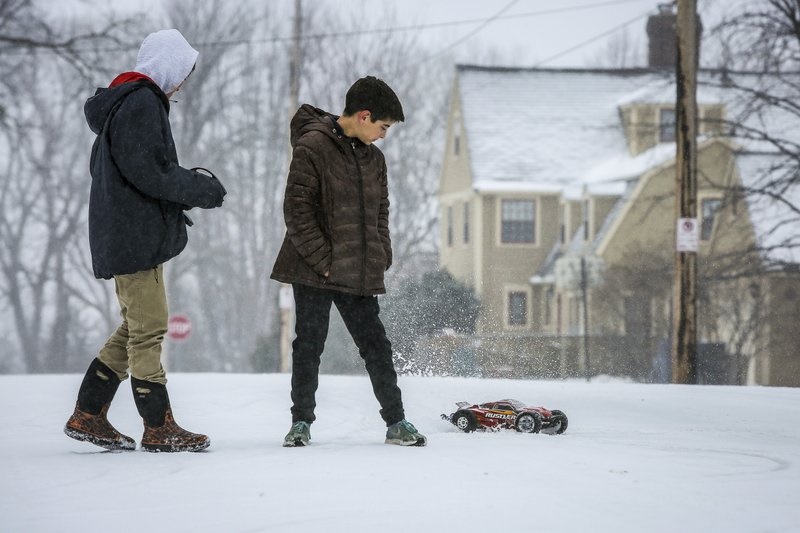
{"x":136,"y":344}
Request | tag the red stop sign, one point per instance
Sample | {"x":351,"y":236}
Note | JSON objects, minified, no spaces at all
{"x":179,"y":327}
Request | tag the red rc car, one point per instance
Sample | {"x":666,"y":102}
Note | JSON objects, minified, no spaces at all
{"x":507,"y":414}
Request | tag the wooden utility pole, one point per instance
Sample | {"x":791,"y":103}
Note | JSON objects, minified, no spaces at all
{"x":684,"y":327}
{"x":286,"y":299}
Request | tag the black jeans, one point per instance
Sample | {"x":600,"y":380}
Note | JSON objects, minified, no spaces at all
{"x":360,"y":315}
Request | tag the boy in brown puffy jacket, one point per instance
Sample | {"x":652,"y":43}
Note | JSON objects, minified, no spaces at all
{"x":337,"y":247}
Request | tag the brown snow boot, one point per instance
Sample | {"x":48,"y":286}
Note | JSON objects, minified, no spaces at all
{"x":161,"y":433}
{"x":88,"y":422}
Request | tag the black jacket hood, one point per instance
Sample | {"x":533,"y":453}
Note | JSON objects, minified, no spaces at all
{"x":98,"y":108}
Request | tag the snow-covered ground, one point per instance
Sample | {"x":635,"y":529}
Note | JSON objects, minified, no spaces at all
{"x":636,"y":458}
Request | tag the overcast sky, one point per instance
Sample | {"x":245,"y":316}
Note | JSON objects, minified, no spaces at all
{"x":528,"y":32}
{"x":521,"y":32}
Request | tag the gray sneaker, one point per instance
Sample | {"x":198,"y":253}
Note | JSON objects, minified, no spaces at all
{"x":404,"y":433}
{"x":299,"y":435}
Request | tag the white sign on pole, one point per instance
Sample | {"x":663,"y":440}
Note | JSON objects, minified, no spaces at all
{"x":688,"y":235}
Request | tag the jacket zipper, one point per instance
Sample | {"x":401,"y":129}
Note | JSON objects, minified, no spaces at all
{"x":363,"y":210}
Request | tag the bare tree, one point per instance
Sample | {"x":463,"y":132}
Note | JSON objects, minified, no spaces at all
{"x":24,"y":29}
{"x":760,"y":67}
{"x":233,"y":118}
{"x":338,"y":48}
{"x":620,"y":51}
{"x":413,"y":149}
{"x":636,"y":295}
{"x":44,"y":276}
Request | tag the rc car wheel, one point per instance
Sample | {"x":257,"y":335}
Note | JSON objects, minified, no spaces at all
{"x":560,"y":421}
{"x":529,"y":423}
{"x":465,"y":421}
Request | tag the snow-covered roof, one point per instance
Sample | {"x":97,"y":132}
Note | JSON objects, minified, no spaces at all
{"x":543,"y":125}
{"x":626,"y":167}
{"x":662,"y":91}
{"x":532,"y":129}
{"x":563,"y":126}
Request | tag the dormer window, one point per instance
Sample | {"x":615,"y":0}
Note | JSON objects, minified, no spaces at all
{"x":666,"y":125}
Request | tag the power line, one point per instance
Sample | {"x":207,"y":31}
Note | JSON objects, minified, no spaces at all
{"x":12,"y":50}
{"x":592,"y":39}
{"x":474,"y":31}
{"x":586,"y":42}
{"x":433,"y":25}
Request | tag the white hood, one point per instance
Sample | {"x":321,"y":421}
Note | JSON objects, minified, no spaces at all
{"x":166,"y":58}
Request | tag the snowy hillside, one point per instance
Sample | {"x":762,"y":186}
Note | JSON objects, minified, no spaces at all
{"x":636,"y":458}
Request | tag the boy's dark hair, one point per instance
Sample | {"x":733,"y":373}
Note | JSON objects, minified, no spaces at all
{"x":375,"y":96}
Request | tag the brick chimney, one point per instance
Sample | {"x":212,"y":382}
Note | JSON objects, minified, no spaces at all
{"x":662,"y":46}
{"x":662,"y":36}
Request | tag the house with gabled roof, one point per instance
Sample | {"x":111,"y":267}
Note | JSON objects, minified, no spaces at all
{"x":557,"y":199}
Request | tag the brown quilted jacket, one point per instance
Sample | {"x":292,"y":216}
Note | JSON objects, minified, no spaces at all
{"x":336,"y":209}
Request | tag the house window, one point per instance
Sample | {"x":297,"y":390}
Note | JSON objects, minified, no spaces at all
{"x":449,"y":226}
{"x":709,"y":209}
{"x":517,"y":308}
{"x":456,"y":144}
{"x":666,"y":125}
{"x":466,"y":223}
{"x":518,"y":224}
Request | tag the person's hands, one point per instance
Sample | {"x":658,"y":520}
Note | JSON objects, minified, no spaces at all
{"x":216,"y":193}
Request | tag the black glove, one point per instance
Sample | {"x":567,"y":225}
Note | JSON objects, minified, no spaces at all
{"x":217,"y":190}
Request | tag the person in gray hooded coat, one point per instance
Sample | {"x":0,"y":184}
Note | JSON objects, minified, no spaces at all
{"x":137,"y":222}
